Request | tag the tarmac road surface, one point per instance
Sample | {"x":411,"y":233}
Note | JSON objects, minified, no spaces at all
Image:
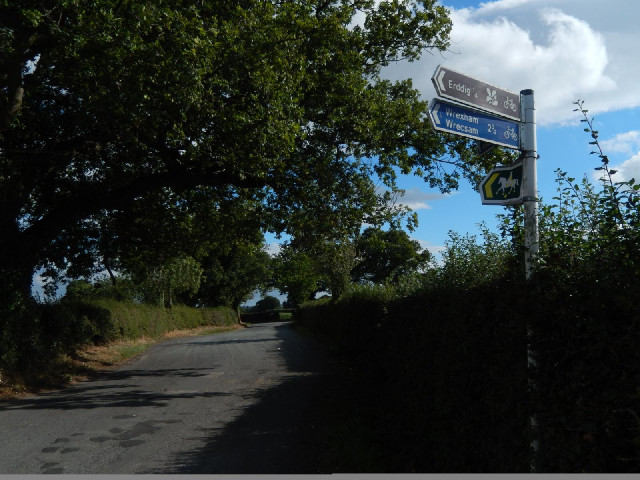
{"x":247,"y":401}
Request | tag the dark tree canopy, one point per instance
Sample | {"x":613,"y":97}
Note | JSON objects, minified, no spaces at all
{"x":386,"y":255}
{"x":117,"y":117}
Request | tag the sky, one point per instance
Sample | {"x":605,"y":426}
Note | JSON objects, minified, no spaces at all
{"x":564,"y":50}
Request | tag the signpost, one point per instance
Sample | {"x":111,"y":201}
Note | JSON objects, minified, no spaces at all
{"x":451,"y":118}
{"x":503,"y":186}
{"x":500,"y":125}
{"x":471,"y":91}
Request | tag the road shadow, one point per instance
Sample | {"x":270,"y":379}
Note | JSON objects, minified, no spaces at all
{"x":281,"y":431}
{"x":113,"y":389}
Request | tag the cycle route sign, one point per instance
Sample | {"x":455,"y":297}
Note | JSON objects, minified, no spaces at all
{"x":457,"y":119}
{"x":476,"y":93}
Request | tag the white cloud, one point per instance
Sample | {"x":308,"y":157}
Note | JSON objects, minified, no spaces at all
{"x":416,"y":199}
{"x":273,"y":249}
{"x":501,"y":5}
{"x":627,"y":142}
{"x":569,"y":65}
{"x":563,"y":49}
{"x":434,"y":249}
{"x":628,"y":169}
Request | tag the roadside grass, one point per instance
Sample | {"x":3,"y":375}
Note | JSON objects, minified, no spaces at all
{"x":90,"y":361}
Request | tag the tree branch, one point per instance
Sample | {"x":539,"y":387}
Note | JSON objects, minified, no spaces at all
{"x":15,"y":92}
{"x":90,"y":199}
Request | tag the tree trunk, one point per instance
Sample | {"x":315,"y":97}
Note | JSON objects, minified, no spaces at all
{"x":111,"y":275}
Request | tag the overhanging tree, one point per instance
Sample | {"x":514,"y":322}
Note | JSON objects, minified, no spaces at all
{"x":281,"y":104}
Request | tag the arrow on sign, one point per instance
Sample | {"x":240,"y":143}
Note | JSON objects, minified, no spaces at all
{"x":440,"y":78}
{"x":435,"y":114}
{"x":503,"y":186}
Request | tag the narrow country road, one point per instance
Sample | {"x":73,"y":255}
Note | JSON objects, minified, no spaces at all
{"x":247,"y":401}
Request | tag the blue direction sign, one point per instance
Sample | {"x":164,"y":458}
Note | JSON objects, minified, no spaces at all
{"x":452,"y":118}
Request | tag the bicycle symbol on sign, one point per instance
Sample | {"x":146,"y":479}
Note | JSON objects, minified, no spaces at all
{"x":511,"y":133}
{"x":508,"y":103}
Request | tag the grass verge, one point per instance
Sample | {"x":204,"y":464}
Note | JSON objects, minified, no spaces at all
{"x":90,"y":361}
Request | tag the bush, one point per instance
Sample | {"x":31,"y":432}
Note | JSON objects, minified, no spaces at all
{"x":267,"y":303}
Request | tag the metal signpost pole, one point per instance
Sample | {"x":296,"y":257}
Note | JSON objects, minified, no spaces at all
{"x":530,"y":180}
{"x":531,"y":240}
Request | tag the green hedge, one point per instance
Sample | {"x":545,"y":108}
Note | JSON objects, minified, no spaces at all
{"x":451,"y":369}
{"x":43,"y":332}
{"x":141,"y":320}
{"x":453,"y":383}
{"x":586,"y":338}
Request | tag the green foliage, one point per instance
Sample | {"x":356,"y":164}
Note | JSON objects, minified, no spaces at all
{"x":139,"y":320}
{"x":87,"y":317}
{"x":233,"y":272}
{"x":296,"y":275}
{"x":136,"y":133}
{"x":79,"y":289}
{"x":387,"y":255}
{"x":310,"y":265}
{"x":49,"y":330}
{"x":140,"y":121}
{"x":585,"y":330}
{"x":267,"y":303}
{"x":180,"y":275}
{"x":468,"y":263}
{"x":334,"y":261}
{"x":450,"y":373}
